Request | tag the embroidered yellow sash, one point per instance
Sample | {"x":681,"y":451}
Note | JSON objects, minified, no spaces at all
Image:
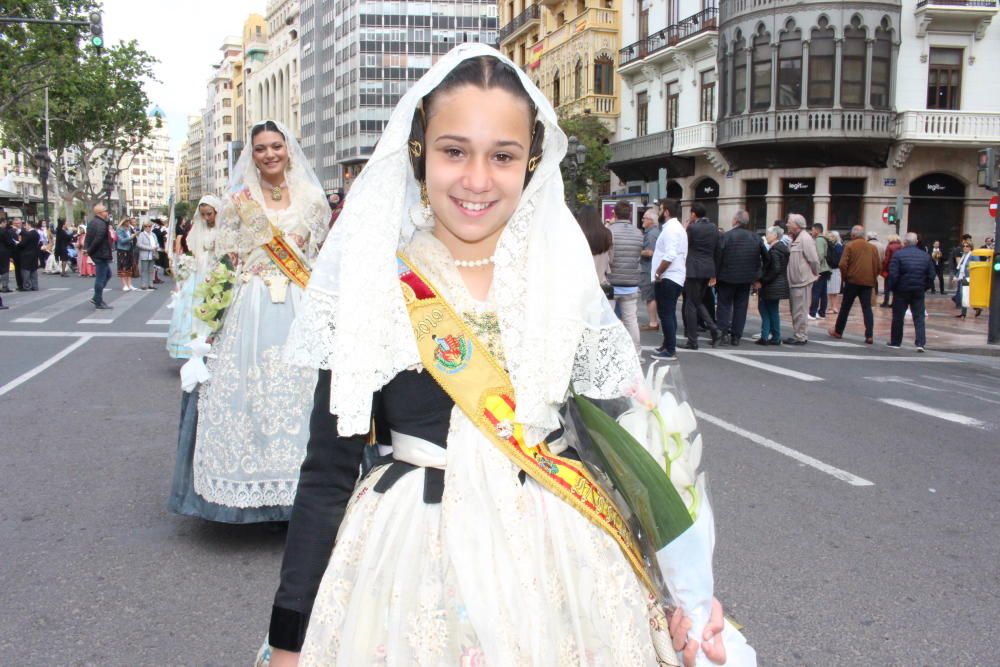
{"x":481,"y":388}
{"x":286,"y":258}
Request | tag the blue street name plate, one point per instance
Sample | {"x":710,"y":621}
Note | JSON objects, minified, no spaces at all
{"x":889,"y":182}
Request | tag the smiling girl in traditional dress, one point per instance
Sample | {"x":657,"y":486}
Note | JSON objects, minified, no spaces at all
{"x":452,"y":551}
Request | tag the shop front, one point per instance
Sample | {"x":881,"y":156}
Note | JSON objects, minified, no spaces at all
{"x":937,"y":209}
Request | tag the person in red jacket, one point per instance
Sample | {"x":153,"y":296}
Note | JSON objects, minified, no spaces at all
{"x":894,"y":245}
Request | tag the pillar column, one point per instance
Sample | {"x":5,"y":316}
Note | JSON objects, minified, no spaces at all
{"x":803,"y":102}
{"x":774,"y":76}
{"x":837,"y":54}
{"x":869,"y":47}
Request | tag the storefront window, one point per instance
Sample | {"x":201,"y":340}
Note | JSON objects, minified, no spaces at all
{"x":755,"y":200}
{"x":846,"y":196}
{"x":790,"y":67}
{"x":797,"y":197}
{"x":821,"y":65}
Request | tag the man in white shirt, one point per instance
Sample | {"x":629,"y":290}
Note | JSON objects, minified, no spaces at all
{"x":669,"y":271}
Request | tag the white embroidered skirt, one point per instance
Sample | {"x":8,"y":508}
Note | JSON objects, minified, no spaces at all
{"x":253,"y":414}
{"x":499,"y":573}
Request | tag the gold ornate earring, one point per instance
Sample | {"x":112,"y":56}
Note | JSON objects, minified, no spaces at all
{"x":425,"y":205}
{"x":533,"y":163}
{"x":416,"y":148}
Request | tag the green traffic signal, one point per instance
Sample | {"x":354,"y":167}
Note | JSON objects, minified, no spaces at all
{"x":97,"y":41}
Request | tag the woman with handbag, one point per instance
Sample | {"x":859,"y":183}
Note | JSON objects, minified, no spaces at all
{"x":147,"y":246}
{"x":125,"y":238}
{"x":475,"y":279}
{"x":962,"y":278}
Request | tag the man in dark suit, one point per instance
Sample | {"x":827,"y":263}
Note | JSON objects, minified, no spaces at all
{"x":98,"y":245}
{"x":702,"y":259}
{"x":740,"y":267}
{"x":15,"y":254}
{"x":7,"y":246}
{"x":28,"y":247}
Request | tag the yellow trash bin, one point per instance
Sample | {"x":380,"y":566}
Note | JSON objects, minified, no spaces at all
{"x":980,"y":277}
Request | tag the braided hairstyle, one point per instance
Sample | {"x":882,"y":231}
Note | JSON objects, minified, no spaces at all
{"x":487,"y":73}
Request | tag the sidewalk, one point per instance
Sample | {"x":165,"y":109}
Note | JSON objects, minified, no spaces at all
{"x":945,"y":332}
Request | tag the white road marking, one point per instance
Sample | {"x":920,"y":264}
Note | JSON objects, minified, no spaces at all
{"x":834,"y":343}
{"x":18,"y":381}
{"x":953,"y":417}
{"x":164,"y":313}
{"x":835,"y":472}
{"x":158,"y":322}
{"x":805,"y":377}
{"x":976,"y":388}
{"x":92,"y":334}
{"x":121,"y":305}
{"x":46,"y":313}
{"x":843,"y":356}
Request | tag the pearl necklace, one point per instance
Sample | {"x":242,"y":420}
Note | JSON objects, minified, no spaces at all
{"x":473,"y":263}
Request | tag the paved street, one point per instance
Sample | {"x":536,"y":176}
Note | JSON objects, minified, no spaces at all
{"x":854,"y":487}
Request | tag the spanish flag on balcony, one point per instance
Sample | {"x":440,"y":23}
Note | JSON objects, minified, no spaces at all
{"x":536,"y":55}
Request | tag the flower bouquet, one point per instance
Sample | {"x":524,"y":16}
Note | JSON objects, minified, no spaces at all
{"x":216,"y":294}
{"x":184,"y":266}
{"x":645,"y":449}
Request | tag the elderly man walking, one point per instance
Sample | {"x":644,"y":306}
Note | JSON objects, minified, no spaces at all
{"x":859,"y":268}
{"x":803,"y":270}
{"x":740,"y":267}
{"x":625,"y":270}
{"x":911,"y":272}
{"x":98,"y":246}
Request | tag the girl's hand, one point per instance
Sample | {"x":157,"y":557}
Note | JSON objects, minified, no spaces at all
{"x":712,"y":638}
{"x":281,"y":658}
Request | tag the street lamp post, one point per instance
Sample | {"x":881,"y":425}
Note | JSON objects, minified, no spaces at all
{"x":576,"y":155}
{"x":43,"y":173}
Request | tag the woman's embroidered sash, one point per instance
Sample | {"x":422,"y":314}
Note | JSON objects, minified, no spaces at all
{"x":286,"y":258}
{"x":481,"y":388}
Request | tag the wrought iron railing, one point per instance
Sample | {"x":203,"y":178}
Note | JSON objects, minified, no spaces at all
{"x":531,"y":13}
{"x":706,"y":19}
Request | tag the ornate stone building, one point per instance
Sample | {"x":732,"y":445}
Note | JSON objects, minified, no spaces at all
{"x":830,"y":109}
{"x":568,"y":48}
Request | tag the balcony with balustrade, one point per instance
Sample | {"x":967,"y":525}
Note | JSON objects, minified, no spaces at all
{"x":955,"y":128}
{"x":689,"y":34}
{"x":522,"y":23}
{"x":962,"y":16}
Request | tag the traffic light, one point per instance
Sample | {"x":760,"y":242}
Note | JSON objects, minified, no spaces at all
{"x":892,"y":219}
{"x":96,"y":31}
{"x":987,"y":163}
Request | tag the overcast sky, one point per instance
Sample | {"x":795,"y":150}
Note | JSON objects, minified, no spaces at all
{"x":185,"y":36}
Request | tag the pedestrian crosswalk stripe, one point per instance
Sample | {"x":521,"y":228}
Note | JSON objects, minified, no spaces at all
{"x":120,"y":305}
{"x":953,"y":417}
{"x":779,"y":370}
{"x":46,"y":313}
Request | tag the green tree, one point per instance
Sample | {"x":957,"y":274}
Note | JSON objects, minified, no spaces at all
{"x":183,"y":209}
{"x":98,"y":119}
{"x":593,"y":134}
{"x":30,"y":53}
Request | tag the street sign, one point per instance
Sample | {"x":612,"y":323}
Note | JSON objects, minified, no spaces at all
{"x":994,"y":203}
{"x":889,"y":182}
{"x":885,"y":215}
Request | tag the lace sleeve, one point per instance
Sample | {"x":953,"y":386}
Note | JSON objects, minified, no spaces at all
{"x":605,"y":363}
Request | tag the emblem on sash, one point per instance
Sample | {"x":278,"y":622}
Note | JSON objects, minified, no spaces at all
{"x":452,"y":353}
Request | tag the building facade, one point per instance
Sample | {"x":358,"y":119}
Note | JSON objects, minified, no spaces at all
{"x":359,"y":58}
{"x":220,"y":144}
{"x":147,"y":180}
{"x":829,"y":109}
{"x":273,"y":80}
{"x":191,"y":158}
{"x":569,"y":50}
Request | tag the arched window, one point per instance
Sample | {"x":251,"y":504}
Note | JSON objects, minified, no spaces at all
{"x":739,"y":74}
{"x":852,"y":67}
{"x":578,"y":80}
{"x":881,"y":66}
{"x":790,"y":67}
{"x":821,"y":65}
{"x":604,"y":75}
{"x":761,"y":83}
{"x":555,"y":89}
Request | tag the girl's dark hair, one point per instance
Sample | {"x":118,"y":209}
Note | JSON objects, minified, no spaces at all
{"x":486,"y":73}
{"x":266,"y":126}
{"x":598,"y":236}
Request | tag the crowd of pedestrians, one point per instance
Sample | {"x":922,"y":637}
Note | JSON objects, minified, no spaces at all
{"x":718,"y":271}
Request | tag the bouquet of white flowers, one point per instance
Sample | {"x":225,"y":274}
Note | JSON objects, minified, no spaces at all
{"x":649,"y":458}
{"x":216,"y":294}
{"x":184,"y":266}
